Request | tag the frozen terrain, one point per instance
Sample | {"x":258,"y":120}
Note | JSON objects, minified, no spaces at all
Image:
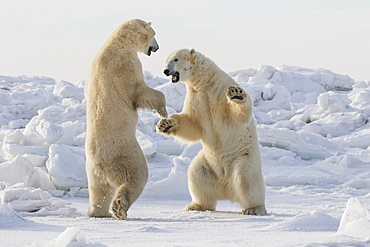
{"x":313,"y":127}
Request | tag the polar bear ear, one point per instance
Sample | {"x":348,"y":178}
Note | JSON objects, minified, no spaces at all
{"x":192,"y":51}
{"x":148,"y":25}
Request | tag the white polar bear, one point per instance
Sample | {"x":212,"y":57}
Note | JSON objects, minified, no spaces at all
{"x":116,"y":167}
{"x":219,"y":113}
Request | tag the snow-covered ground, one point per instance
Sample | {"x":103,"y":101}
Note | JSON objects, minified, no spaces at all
{"x":313,"y":128}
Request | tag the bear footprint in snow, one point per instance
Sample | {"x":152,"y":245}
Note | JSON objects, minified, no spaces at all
{"x":236,"y":93}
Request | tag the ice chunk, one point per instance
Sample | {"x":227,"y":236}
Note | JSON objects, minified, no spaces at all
{"x":19,"y":170}
{"x":36,"y":160}
{"x":169,"y":146}
{"x":66,"y":166}
{"x":148,"y":145}
{"x":274,"y":97}
{"x":355,"y":220}
{"x":31,"y":200}
{"x":6,"y":210}
{"x":290,"y":140}
{"x":356,"y":139}
{"x":265,"y":71}
{"x":69,"y":130}
{"x":12,"y":150}
{"x":331,"y":102}
{"x":175,"y":94}
{"x":337,"y":124}
{"x":192,"y":150}
{"x":8,"y":214}
{"x":42,"y":180}
{"x":68,"y":90}
{"x":175,"y":183}
{"x":72,"y":236}
{"x":49,"y":131}
{"x":242,"y":75}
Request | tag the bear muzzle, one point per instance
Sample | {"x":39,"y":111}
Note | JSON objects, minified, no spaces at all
{"x":153,"y":47}
{"x":175,"y":75}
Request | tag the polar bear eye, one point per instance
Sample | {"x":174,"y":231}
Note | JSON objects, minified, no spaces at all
{"x":176,"y":60}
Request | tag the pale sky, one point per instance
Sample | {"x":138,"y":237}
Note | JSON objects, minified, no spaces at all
{"x":59,"y":38}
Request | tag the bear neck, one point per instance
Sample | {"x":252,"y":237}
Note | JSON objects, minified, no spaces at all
{"x":205,"y":71}
{"x":121,"y":42}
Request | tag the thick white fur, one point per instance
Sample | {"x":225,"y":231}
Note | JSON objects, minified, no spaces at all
{"x":229,"y":165}
{"x":116,"y":166}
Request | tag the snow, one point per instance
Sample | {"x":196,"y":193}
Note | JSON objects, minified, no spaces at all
{"x":315,"y":221}
{"x":355,"y":220}
{"x":313,"y":128}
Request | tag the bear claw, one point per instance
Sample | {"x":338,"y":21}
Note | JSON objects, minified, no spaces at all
{"x":118,"y":209}
{"x":166,"y":125}
{"x":254,"y":211}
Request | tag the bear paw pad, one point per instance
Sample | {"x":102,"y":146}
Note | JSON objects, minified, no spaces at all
{"x":236,"y":93}
{"x":166,"y":125}
{"x":119,"y":210}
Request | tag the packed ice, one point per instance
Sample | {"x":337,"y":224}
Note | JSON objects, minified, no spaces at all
{"x":313,"y":128}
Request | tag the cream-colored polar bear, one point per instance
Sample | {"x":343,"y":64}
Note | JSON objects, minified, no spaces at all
{"x":116,"y":166}
{"x":219,"y":113}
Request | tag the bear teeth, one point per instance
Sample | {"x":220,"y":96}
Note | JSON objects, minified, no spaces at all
{"x":176,"y":77}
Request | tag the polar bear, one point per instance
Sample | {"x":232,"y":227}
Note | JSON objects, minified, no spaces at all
{"x":115,"y":164}
{"x":219,"y":113}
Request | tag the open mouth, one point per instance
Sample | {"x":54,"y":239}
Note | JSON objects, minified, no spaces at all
{"x":151,"y":49}
{"x":175,"y":77}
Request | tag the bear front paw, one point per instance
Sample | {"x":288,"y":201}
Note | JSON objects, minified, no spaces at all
{"x":236,"y":94}
{"x":166,"y":125}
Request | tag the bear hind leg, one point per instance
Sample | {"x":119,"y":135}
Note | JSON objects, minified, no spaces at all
{"x":100,"y":197}
{"x":250,"y":196}
{"x":125,"y":196}
{"x":123,"y":199}
{"x":202,"y":185}
{"x":253,"y":202}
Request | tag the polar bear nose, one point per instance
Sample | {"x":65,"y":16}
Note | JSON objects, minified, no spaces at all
{"x":166,"y":72}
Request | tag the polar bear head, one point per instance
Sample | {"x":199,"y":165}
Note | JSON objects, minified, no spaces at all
{"x":180,"y":64}
{"x":138,"y":35}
